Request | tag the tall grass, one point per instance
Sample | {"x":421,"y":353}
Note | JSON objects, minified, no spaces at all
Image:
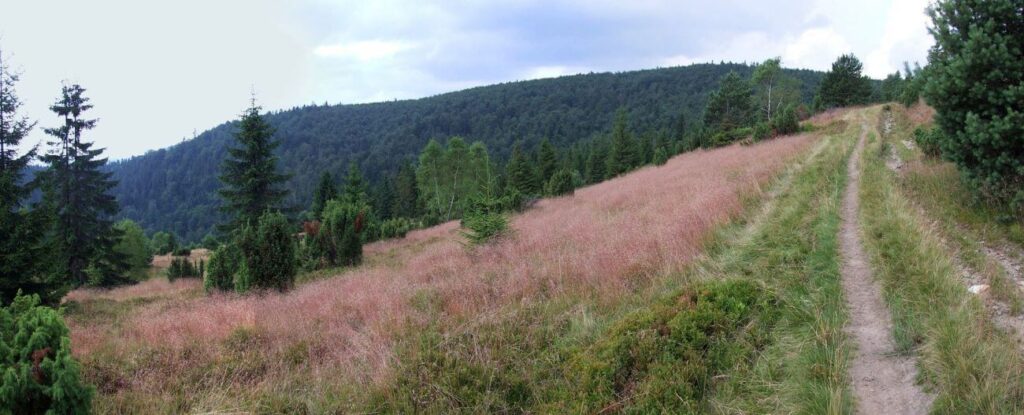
{"x":972,"y":367}
{"x":569,"y":263}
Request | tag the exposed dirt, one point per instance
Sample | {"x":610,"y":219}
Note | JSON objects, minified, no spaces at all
{"x":882,"y":380}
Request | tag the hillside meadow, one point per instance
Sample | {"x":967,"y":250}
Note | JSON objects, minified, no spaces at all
{"x":340,"y":342}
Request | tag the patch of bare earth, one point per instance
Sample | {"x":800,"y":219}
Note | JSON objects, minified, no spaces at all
{"x":882,"y":380}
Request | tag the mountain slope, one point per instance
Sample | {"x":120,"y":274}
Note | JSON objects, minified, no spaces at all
{"x":175,"y":188}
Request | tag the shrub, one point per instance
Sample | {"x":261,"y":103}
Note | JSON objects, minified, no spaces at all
{"x":38,"y":373}
{"x":482,"y":227}
{"x":181,"y":267}
{"x":786,"y":122}
{"x":220,"y":275}
{"x":762,"y":131}
{"x":340,"y":235}
{"x":660,"y":156}
{"x":929,"y":140}
{"x":560,"y":183}
{"x":663,"y":359}
{"x":268,"y":254}
{"x":183,"y":251}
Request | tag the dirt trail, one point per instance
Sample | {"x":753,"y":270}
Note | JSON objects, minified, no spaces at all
{"x":882,"y":381}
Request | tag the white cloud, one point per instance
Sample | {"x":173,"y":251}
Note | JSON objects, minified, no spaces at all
{"x":366,"y":50}
{"x":554,"y":71}
{"x":815,"y":48}
{"x":905,"y":38}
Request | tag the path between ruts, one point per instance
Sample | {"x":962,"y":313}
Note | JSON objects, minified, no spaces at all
{"x":882,"y":380}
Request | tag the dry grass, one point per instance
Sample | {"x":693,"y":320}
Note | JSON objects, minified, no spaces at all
{"x":164,"y":261}
{"x":152,"y":287}
{"x":605,"y":240}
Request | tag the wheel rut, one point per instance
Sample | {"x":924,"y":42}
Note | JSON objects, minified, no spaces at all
{"x":882,"y":380}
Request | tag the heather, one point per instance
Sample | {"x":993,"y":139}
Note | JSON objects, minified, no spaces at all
{"x":333,"y":337}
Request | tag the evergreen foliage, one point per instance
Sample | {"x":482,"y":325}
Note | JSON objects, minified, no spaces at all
{"x":182,"y":267}
{"x":224,"y":264}
{"x":844,"y":85}
{"x":660,"y":156}
{"x":325,"y":191}
{"x":561,"y":183}
{"x":340,"y":234}
{"x":163,"y":243}
{"x":77,"y":192}
{"x":976,"y":85}
{"x":484,"y":220}
{"x":20,"y":228}
{"x":38,"y":375}
{"x":407,"y":196}
{"x":251,"y":182}
{"x":786,"y":122}
{"x":547,"y":160}
{"x":268,"y":254}
{"x":622,"y":156}
{"x":521,"y":176}
{"x":729,"y":107}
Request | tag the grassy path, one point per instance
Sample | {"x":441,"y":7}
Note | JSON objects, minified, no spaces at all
{"x":882,"y":380}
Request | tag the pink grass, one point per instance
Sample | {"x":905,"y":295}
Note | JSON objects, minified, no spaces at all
{"x":605,"y":239}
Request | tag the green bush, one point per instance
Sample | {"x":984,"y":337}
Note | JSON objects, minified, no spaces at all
{"x":762,"y":131}
{"x":220,"y":274}
{"x":929,"y":141}
{"x":660,"y":156}
{"x":786,"y":122}
{"x":268,"y":255}
{"x":163,"y":243}
{"x":560,"y":183}
{"x":37,"y":373}
{"x":663,"y":359}
{"x":340,"y":235}
{"x":181,"y":267}
{"x":183,"y":251}
{"x":481,"y":227}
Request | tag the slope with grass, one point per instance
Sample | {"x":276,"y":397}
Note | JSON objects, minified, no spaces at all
{"x":427,"y":323}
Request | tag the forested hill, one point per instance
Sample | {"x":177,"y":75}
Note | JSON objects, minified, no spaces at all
{"x":175,"y":188}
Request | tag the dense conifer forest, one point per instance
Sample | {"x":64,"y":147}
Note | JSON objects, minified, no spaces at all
{"x":175,"y":189}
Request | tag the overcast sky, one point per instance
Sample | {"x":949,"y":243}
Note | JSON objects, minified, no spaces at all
{"x":157,"y":71}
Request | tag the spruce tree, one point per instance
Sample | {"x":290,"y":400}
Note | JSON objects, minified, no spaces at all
{"x":324,"y":192}
{"x":597,"y":159}
{"x":844,"y":85}
{"x":76,"y":190}
{"x":623,"y":155}
{"x":268,"y":254}
{"x":407,"y":196}
{"x":356,"y":190}
{"x":251,"y":183}
{"x":547,"y":160}
{"x":20,"y":229}
{"x":560,"y":183}
{"x":521,"y":176}
{"x":975,"y":82}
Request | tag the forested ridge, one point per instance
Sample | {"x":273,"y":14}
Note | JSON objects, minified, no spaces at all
{"x":174,"y":189}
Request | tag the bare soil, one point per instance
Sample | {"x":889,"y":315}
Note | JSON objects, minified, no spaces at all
{"x":883,"y":381}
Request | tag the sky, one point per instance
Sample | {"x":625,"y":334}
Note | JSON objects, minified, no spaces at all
{"x":159,"y":71}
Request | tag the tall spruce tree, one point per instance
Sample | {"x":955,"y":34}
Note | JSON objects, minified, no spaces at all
{"x":975,"y":81}
{"x":251,"y":183}
{"x":356,"y":190}
{"x":325,"y":191}
{"x":76,"y":190}
{"x":20,"y":229}
{"x":623,"y":155}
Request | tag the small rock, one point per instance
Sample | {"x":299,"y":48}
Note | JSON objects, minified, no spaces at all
{"x":978,"y":289}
